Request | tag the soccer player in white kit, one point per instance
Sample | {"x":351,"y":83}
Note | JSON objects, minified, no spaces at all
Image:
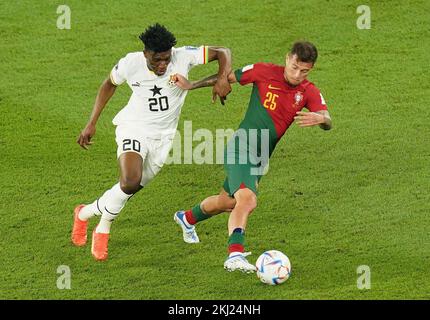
{"x":146,"y":126}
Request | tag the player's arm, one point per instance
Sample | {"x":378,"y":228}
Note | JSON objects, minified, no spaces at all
{"x":222,"y":86}
{"x":318,"y":114}
{"x":210,"y":81}
{"x":309,"y":119}
{"x":106,"y":91}
{"x":326,"y":124}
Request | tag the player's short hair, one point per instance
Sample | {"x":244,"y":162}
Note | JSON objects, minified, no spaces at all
{"x":157,"y":38}
{"x":305,"y":51}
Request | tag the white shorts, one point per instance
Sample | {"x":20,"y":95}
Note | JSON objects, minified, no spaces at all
{"x":154,"y":151}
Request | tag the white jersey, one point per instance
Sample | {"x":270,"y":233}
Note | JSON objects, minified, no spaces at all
{"x":154,"y":105}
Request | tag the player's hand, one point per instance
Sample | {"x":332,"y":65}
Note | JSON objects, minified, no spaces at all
{"x":308,"y":119}
{"x":84,"y":139}
{"x":180,"y":81}
{"x":221,"y":88}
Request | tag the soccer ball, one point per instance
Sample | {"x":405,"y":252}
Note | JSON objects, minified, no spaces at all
{"x":273,"y":267}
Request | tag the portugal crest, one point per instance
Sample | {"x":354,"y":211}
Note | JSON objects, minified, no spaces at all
{"x":298,"y":98}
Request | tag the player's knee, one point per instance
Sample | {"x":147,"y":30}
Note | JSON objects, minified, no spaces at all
{"x":130,"y":184}
{"x":247,"y":200}
{"x":252,"y":203}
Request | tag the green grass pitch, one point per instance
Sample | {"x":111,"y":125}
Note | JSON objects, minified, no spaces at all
{"x":332,"y":201}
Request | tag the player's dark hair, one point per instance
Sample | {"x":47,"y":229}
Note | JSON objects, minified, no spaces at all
{"x":305,"y":51}
{"x":157,"y":38}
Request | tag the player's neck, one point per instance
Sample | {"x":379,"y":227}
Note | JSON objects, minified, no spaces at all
{"x":292,"y":85}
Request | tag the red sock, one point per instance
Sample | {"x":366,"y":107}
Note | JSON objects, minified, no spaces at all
{"x":236,"y":241}
{"x":237,"y":247}
{"x":190,"y":218}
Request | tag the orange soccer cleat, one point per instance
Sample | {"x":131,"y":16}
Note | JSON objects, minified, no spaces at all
{"x":79,"y":232}
{"x":99,"y":247}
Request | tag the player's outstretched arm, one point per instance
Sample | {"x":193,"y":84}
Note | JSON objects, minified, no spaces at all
{"x":210,"y":81}
{"x":309,"y":119}
{"x":107,"y":89}
{"x":222,"y":86}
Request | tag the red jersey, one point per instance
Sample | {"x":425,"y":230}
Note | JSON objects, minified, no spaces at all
{"x":274,"y":103}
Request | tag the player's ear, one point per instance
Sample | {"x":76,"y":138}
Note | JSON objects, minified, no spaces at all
{"x":287,"y":58}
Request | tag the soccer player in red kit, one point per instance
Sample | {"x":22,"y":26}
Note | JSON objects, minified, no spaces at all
{"x":278,"y":96}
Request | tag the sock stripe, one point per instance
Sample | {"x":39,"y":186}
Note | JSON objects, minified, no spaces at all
{"x":131,"y":195}
{"x":236,"y":247}
{"x":190,"y":218}
{"x":114,"y":214}
{"x":98,"y":208}
{"x":236,"y":241}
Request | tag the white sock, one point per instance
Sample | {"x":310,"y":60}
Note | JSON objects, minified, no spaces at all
{"x":235,"y":253}
{"x":95,"y":208}
{"x":104,"y":225}
{"x":115,"y":202}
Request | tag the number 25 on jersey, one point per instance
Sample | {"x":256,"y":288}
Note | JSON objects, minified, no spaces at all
{"x":270,"y":102}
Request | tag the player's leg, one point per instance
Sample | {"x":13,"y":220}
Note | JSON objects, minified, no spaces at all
{"x":83,"y":213}
{"x":242,"y":185}
{"x":130,"y":164}
{"x":134,"y":152}
{"x":246,"y":202}
{"x":209,"y":207}
{"x":110,"y":201}
{"x":220,"y":203}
